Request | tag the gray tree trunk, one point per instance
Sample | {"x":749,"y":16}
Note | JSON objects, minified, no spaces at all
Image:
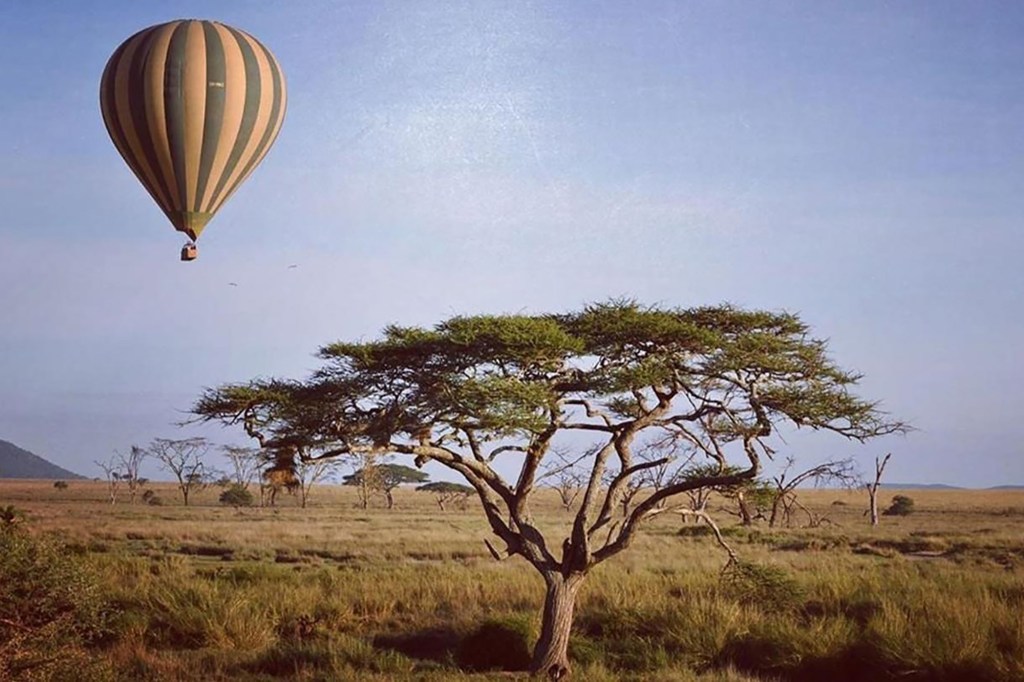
{"x":551,"y":655}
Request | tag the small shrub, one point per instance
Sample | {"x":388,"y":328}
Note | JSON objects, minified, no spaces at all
{"x":236,"y":495}
{"x":498,"y":644}
{"x":10,"y":516}
{"x":60,"y":485}
{"x":901,"y":506}
{"x":769,"y":587}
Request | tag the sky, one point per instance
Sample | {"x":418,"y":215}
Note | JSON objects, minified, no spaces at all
{"x":861,"y":164}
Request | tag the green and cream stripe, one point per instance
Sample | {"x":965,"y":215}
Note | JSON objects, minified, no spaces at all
{"x":192,"y":106}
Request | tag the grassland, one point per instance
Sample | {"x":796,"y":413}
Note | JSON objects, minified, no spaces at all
{"x":335,"y":592}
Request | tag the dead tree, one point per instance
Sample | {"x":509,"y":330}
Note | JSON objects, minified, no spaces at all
{"x":872,"y":487}
{"x":566,"y":476}
{"x":129,"y":465}
{"x":112,"y":475}
{"x":784,"y":493}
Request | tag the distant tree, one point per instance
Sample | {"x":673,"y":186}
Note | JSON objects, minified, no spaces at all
{"x":245,"y":463}
{"x":386,"y":478}
{"x":446,"y":492}
{"x":368,"y":481}
{"x":901,"y":506}
{"x":113,"y":476}
{"x":785,"y":484}
{"x":184,"y":459}
{"x":473,"y":389}
{"x":310,"y":472}
{"x":567,"y":474}
{"x":872,"y":487}
{"x":129,"y":464}
{"x":236,"y":495}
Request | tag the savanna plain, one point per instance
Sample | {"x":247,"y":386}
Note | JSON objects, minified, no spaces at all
{"x":96,"y":591}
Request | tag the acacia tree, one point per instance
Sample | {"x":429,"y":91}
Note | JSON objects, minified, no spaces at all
{"x":385,"y":478}
{"x":129,"y":465}
{"x":309,"y":472}
{"x":245,"y":463}
{"x":473,"y":390}
{"x":446,"y":492}
{"x":184,"y":459}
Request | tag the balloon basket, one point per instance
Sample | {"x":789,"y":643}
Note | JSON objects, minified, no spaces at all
{"x":189,"y":252}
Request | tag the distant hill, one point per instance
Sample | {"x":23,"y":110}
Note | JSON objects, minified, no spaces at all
{"x":943,"y":486}
{"x":18,"y":463}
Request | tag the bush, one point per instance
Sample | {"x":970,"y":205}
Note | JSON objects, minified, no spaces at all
{"x":769,"y":587}
{"x":60,"y":485}
{"x":236,"y":496}
{"x":498,"y":644}
{"x":901,"y":506}
{"x":10,"y":517}
{"x":50,"y":610}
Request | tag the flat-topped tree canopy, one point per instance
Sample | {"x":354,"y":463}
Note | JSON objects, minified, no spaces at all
{"x":711,"y":381}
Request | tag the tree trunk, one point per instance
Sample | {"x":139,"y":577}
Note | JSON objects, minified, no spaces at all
{"x":873,"y":494}
{"x":391,"y":499}
{"x":775,"y":511}
{"x":551,"y":655}
{"x":745,"y":515}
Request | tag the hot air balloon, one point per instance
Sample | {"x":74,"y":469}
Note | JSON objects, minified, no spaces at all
{"x":193,"y":107}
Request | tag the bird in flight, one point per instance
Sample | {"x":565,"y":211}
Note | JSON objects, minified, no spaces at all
{"x":232,"y":284}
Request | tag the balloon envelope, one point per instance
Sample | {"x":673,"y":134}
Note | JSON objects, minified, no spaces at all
{"x":192,"y":106}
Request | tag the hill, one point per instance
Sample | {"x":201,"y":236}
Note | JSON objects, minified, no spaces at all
{"x":18,"y":463}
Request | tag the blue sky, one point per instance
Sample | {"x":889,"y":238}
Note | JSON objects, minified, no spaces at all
{"x":860,"y":163}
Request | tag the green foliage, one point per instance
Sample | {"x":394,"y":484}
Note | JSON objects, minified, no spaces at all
{"x":902,"y":505}
{"x":388,"y":476}
{"x":503,"y":374}
{"x":236,"y":495}
{"x":446,"y":487}
{"x":768,"y":587}
{"x":498,"y":644}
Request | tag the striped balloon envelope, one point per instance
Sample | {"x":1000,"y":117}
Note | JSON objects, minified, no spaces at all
{"x":192,"y":106}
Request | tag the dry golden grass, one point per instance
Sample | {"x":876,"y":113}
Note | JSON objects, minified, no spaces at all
{"x":338,"y":592}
